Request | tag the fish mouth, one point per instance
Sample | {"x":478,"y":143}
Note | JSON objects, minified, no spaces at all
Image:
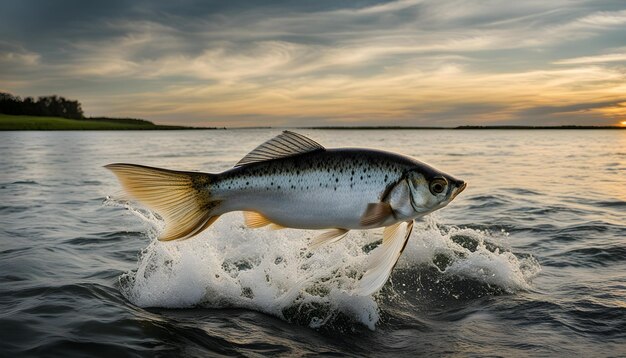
{"x":459,"y":189}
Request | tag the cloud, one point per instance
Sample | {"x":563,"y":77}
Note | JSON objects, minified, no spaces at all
{"x":400,"y":62}
{"x":611,"y":57}
{"x":444,"y":95}
{"x":553,"y":113}
{"x":15,"y":56}
{"x":19,"y":59}
{"x":604,"y":19}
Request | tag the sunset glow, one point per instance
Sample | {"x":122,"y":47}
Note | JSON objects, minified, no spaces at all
{"x":394,"y":63}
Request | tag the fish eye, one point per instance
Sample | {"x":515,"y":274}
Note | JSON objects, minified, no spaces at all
{"x":438,"y":185}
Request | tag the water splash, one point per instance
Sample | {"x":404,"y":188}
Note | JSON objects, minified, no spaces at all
{"x":271,"y":271}
{"x":479,"y":255}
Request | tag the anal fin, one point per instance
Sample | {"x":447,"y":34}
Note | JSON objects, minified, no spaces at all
{"x":274,"y":226}
{"x":328,"y":237}
{"x":256,"y":220}
{"x":384,"y":258}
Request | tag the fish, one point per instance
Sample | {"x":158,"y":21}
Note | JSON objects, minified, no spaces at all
{"x":291,"y":181}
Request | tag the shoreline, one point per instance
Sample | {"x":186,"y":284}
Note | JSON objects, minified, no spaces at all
{"x":36,"y":123}
{"x":569,"y":127}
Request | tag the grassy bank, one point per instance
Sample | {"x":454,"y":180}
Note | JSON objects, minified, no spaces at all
{"x":19,"y":123}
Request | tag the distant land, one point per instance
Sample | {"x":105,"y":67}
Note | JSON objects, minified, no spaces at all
{"x":467,"y":127}
{"x":42,"y":123}
{"x":59,"y":113}
{"x":45,"y":123}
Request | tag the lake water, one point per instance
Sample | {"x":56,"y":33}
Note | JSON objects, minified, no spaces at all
{"x":529,"y":260}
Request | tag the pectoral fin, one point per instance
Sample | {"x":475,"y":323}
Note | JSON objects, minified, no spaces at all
{"x":376,"y":213}
{"x":328,"y":237}
{"x":384,"y":258}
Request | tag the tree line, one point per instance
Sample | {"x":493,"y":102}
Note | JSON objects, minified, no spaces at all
{"x":49,"y":106}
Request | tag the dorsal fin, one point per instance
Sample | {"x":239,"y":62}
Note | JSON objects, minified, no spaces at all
{"x":283,"y":145}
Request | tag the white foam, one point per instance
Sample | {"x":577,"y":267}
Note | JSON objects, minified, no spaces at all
{"x":271,"y":271}
{"x":491,"y":266}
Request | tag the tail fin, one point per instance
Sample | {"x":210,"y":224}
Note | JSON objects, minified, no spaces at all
{"x":183,"y":199}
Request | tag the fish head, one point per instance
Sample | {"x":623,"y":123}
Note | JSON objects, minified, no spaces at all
{"x":431,"y":189}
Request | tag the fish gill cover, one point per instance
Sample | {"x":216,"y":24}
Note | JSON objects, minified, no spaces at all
{"x":230,"y":266}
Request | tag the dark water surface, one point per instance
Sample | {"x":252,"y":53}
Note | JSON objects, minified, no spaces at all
{"x":529,"y":260}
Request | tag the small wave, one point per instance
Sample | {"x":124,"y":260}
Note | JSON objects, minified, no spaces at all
{"x":91,"y":182}
{"x":595,"y":256}
{"x":99,"y":239}
{"x":611,"y":204}
{"x":457,"y":154}
{"x":14,"y":209}
{"x":538,"y":211}
{"x":522,"y":191}
{"x":25,"y":182}
{"x":595,"y":226}
{"x":229,"y":265}
{"x":486,"y":201}
{"x":31,"y":328}
{"x":560,"y":238}
{"x":15,"y":252}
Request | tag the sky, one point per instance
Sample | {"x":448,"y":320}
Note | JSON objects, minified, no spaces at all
{"x":323,"y":63}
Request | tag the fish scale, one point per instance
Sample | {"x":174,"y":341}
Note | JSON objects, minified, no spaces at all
{"x":321,"y":189}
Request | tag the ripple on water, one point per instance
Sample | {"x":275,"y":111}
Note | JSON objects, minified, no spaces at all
{"x":468,"y":289}
{"x":604,"y":256}
{"x":110,"y":237}
{"x":23,"y":182}
{"x":14,"y":209}
{"x":487,"y":201}
{"x":621,"y":204}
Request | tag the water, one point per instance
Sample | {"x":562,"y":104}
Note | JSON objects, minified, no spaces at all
{"x":529,"y":260}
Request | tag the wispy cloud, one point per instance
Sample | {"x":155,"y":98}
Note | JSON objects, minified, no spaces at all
{"x":401,"y":62}
{"x":12,"y":55}
{"x":611,"y":57}
{"x":604,"y":19}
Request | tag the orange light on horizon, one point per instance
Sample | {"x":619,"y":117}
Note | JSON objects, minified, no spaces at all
{"x":623,"y":123}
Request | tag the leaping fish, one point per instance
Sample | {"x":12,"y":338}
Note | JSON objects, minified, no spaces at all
{"x":292,"y":181}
